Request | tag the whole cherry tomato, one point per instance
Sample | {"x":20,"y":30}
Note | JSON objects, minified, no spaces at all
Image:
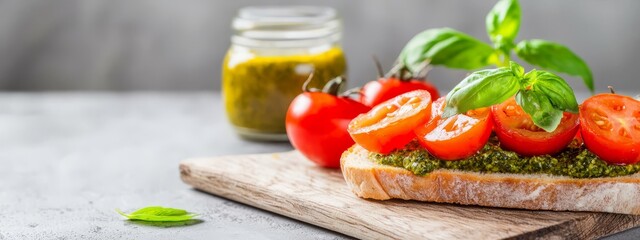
{"x":317,"y":123}
{"x":376,"y":92}
{"x":390,"y":124}
{"x":456,"y":137}
{"x":516,"y":131}
{"x":610,"y":127}
{"x":399,"y":80}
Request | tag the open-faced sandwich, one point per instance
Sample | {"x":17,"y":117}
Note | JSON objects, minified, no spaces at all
{"x":501,"y":138}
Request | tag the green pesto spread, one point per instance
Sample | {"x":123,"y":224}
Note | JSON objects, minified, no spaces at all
{"x":577,"y":162}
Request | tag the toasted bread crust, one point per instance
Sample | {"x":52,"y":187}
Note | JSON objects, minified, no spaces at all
{"x":368,"y":179}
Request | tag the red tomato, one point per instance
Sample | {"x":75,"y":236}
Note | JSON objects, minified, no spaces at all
{"x":317,"y":126}
{"x":577,"y":140}
{"x":376,"y":92}
{"x":390,"y":125}
{"x":610,"y":127}
{"x":516,"y":131}
{"x":437,"y":108}
{"x":457,"y":137}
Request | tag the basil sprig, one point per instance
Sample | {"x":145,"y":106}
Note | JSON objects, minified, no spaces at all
{"x":454,"y":49}
{"x":541,"y":94}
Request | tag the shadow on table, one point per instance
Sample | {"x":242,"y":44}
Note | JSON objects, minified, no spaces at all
{"x":166,"y":224}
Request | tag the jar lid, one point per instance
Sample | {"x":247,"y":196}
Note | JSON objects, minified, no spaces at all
{"x":285,"y":23}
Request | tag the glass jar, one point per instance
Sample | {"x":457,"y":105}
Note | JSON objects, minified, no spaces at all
{"x":273,"y":51}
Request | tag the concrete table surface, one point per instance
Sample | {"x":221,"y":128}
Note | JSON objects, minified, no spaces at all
{"x":67,"y":160}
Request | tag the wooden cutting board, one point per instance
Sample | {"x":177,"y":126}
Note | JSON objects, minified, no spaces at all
{"x":288,"y":184}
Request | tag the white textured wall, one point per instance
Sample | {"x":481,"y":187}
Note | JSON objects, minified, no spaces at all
{"x":179,"y":44}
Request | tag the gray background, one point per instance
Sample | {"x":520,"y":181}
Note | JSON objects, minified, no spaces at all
{"x":179,"y":45}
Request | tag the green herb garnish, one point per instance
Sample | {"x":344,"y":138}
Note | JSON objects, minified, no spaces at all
{"x":448,"y":47}
{"x":555,"y":57}
{"x":454,"y":49}
{"x":158,"y":214}
{"x":541,"y":94}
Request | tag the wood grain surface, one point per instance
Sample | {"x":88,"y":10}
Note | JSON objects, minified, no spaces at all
{"x":288,"y":184}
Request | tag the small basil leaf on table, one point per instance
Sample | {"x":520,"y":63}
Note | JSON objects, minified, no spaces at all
{"x":554,"y":88}
{"x":159,"y":214}
{"x":503,"y":24}
{"x":538,"y":106}
{"x":555,"y":57}
{"x":448,"y":47}
{"x":481,"y":89}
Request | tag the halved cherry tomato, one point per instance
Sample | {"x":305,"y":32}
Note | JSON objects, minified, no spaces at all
{"x":516,"y":131}
{"x":390,"y":125}
{"x":456,"y":137}
{"x":376,"y":92}
{"x":437,"y":108}
{"x":610,"y":127}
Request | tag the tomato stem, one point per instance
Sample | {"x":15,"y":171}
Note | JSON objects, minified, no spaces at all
{"x":305,"y":85}
{"x":424,"y":72}
{"x":394,"y":70}
{"x":349,"y":92}
{"x":403,"y":73}
{"x":378,"y":66}
{"x":333,"y":87}
{"x":611,"y":89}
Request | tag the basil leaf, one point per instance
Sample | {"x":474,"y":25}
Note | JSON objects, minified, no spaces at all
{"x":516,"y":69}
{"x":503,"y":23}
{"x":448,"y":47}
{"x":538,"y":106}
{"x":556,"y":57}
{"x":159,"y":214}
{"x":554,"y":88}
{"x":481,"y":89}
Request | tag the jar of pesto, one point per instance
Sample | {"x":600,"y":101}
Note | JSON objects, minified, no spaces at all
{"x":273,"y":51}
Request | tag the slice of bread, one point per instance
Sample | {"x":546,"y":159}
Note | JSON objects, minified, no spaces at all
{"x":368,"y":179}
